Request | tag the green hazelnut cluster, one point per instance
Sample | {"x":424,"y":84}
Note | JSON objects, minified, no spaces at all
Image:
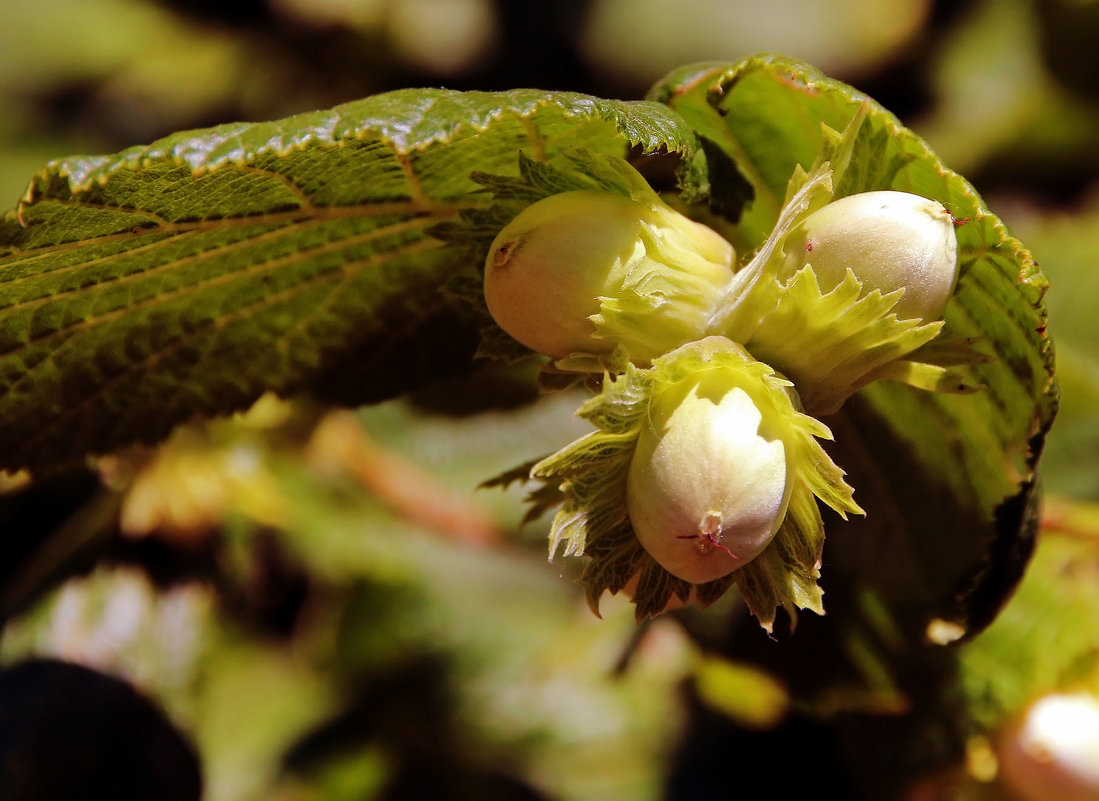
{"x":551,"y":267}
{"x":713,"y":372}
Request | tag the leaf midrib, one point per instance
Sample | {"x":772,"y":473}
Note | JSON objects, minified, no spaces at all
{"x":445,"y":210}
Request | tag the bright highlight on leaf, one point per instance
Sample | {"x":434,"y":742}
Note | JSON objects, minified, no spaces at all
{"x":750,"y":696}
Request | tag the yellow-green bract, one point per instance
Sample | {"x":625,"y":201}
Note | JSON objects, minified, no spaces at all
{"x":842,"y":292}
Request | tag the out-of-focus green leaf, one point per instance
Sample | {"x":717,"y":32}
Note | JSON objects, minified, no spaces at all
{"x":1067,"y":244}
{"x":750,"y":696}
{"x":642,"y":39}
{"x":979,"y":110}
{"x":947,"y":481}
{"x":1042,"y":642}
{"x":190,"y":276}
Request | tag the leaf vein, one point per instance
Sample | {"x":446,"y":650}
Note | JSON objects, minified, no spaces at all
{"x":298,"y":192}
{"x":322,"y":213}
{"x":67,"y":333}
{"x":74,"y":409}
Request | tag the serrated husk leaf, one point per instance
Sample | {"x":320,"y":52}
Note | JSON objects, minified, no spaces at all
{"x":832,"y":344}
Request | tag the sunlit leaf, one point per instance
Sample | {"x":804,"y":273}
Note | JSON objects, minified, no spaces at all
{"x":190,"y":276}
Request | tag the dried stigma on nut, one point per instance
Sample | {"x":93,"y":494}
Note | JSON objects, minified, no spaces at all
{"x":708,"y":484}
{"x":889,"y":240}
{"x":569,"y":257}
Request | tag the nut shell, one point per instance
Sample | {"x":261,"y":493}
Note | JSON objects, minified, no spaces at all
{"x":707,"y":488}
{"x":889,"y":240}
{"x":549,"y":270}
{"x":1052,"y":754}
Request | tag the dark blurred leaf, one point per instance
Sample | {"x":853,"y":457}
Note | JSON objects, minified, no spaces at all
{"x":36,"y":511}
{"x":67,"y":732}
{"x":46,"y":546}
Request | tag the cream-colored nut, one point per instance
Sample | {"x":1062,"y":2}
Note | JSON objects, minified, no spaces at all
{"x":548,"y":270}
{"x":707,"y":486}
{"x":889,"y":240}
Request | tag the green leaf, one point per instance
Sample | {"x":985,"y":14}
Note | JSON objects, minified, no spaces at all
{"x":750,"y":696}
{"x":1067,"y":245}
{"x":192,"y":275}
{"x":1043,"y":642}
{"x":947,"y":481}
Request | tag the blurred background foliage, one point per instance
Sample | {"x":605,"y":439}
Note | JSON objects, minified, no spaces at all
{"x":316,"y":604}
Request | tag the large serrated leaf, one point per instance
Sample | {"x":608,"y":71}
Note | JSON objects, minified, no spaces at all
{"x":192,"y":275}
{"x":947,"y":481}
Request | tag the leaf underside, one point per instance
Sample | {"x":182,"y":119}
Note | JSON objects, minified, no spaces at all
{"x":190,"y":276}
